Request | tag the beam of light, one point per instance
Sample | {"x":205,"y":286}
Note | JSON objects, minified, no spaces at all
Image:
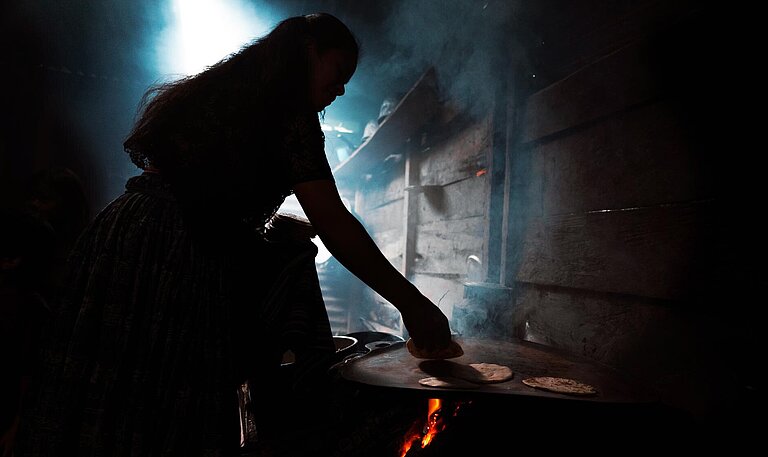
{"x":338,"y":128}
{"x":199,"y":33}
{"x":292,"y":205}
{"x":341,"y":129}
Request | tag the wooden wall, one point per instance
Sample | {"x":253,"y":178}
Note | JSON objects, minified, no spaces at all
{"x":618,"y":210}
{"x":602,"y":210}
{"x":425,"y":204}
{"x":450,"y":213}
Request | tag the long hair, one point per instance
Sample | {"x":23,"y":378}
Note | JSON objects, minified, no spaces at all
{"x":223,"y":108}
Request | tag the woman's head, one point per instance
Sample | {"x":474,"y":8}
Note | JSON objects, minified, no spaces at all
{"x":309,"y":59}
{"x":333,"y":53}
{"x":302,"y":64}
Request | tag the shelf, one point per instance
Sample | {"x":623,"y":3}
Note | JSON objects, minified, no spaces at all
{"x":414,"y":110}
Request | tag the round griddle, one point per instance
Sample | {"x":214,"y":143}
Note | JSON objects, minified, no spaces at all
{"x":394,"y":367}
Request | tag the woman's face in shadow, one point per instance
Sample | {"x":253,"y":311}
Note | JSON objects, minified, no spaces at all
{"x":330,"y":71}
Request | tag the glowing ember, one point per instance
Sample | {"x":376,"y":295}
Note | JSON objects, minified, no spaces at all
{"x":435,"y":423}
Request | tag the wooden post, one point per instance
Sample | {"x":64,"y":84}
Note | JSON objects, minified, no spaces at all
{"x":495,"y":217}
{"x":410,"y":210}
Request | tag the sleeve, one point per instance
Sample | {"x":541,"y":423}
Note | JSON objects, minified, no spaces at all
{"x":304,"y":148}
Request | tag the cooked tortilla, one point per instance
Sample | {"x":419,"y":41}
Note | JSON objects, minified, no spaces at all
{"x":560,"y":385}
{"x":488,"y":373}
{"x":447,"y":382}
{"x":479,"y":373}
{"x":452,"y":351}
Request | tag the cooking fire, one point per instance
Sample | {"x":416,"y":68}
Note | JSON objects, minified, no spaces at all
{"x":424,"y":431}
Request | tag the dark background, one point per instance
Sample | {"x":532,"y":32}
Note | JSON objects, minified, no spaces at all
{"x":640,"y":148}
{"x":73,"y":72}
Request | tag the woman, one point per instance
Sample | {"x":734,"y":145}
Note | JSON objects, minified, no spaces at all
{"x":177,"y":296}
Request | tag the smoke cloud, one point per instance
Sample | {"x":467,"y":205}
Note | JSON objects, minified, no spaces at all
{"x":468,"y":43}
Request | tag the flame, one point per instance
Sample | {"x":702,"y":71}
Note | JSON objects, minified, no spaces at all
{"x":413,"y":434}
{"x":434,"y":424}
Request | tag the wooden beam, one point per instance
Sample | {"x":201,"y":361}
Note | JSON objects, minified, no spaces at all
{"x":410,"y":213}
{"x":415,"y":109}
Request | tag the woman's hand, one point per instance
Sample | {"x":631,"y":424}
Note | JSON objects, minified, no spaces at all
{"x":350,"y":244}
{"x":426,"y":324}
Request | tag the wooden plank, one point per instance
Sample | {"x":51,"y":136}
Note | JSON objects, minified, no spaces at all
{"x":515,"y":93}
{"x":415,"y":109}
{"x":618,"y":164}
{"x":390,"y":243}
{"x":409,"y":215}
{"x":619,"y":80}
{"x":568,"y":40}
{"x":382,"y":188}
{"x":443,"y":246}
{"x":661,"y":252}
{"x":385,"y":217}
{"x":494,"y":214}
{"x":526,"y":181}
{"x":445,"y":293}
{"x":671,"y":350}
{"x":462,"y":155}
{"x":459,"y":200}
{"x":598,"y":326}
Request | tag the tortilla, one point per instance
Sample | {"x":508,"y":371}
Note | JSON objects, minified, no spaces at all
{"x":478,"y":373}
{"x":447,"y":382}
{"x":560,"y":385}
{"x":489,"y":373}
{"x":452,"y":351}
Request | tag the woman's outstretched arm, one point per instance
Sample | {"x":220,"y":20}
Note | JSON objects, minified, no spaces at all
{"x":349,"y":242}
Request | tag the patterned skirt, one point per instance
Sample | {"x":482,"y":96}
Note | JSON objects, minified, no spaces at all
{"x":158,"y":327}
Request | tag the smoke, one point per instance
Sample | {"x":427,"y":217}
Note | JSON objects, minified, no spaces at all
{"x":99,"y":58}
{"x":468,"y":43}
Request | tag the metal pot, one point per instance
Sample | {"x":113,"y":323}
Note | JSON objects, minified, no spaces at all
{"x":369,"y":340}
{"x":344,"y":346}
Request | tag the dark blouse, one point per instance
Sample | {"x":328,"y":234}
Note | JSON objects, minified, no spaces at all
{"x":161,"y":322}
